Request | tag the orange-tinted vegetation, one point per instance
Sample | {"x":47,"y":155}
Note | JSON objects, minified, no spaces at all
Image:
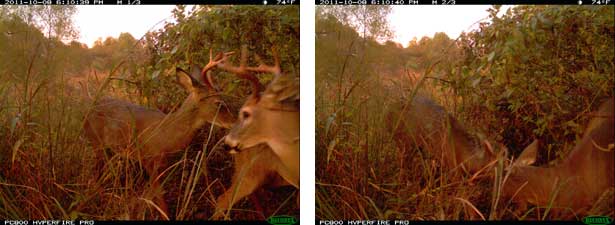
{"x":76,"y":123}
{"x":430,"y":131}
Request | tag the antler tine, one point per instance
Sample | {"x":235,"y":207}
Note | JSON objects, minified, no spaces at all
{"x":237,"y":70}
{"x":242,"y":72}
{"x":264,"y":68}
{"x":220,"y":58}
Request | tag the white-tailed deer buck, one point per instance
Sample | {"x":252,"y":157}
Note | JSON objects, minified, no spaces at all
{"x":423,"y":123}
{"x":270,"y":118}
{"x":573,"y":186}
{"x":153,"y":135}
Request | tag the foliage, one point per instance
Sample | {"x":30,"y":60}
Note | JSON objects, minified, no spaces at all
{"x":219,"y":28}
{"x":533,"y":72}
{"x":429,"y":51}
{"x":112,"y":51}
{"x":55,"y":21}
{"x":47,"y":86}
{"x":530,"y":72}
{"x":370,"y":21}
{"x":351,"y":72}
{"x":39,"y":142}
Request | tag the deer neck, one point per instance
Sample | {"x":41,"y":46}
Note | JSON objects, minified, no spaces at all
{"x":284,"y":140}
{"x":175,"y":131}
{"x":288,"y":152}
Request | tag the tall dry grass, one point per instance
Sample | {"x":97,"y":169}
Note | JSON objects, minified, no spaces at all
{"x":48,"y":166}
{"x":362,"y":174}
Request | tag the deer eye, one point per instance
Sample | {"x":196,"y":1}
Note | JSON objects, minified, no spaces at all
{"x":245,"y":114}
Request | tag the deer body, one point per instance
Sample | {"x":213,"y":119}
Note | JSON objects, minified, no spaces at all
{"x":426,"y":124}
{"x":151,"y":134}
{"x":259,"y":165}
{"x":121,"y":125}
{"x":271,"y":117}
{"x":276,"y":128}
{"x":114,"y":123}
{"x":586,"y":174}
{"x":254,"y":167}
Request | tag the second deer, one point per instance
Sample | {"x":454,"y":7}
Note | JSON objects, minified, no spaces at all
{"x":577,"y":183}
{"x":152,"y":134}
{"x":423,"y":123}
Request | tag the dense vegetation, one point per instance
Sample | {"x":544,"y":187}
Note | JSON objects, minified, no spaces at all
{"x":47,"y":82}
{"x":535,"y":69}
{"x":532,"y":72}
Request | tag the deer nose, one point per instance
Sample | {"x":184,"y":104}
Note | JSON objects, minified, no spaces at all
{"x":230,"y":145}
{"x":229,"y":149}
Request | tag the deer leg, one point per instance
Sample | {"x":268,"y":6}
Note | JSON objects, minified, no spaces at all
{"x":275,"y":181}
{"x":246,"y":179}
{"x":158,"y":198}
{"x":255,"y":199}
{"x":402,"y":169}
{"x":278,"y":181}
{"x":235,"y":193}
{"x":94,"y":136}
{"x":405,"y":152}
{"x":156,"y":190}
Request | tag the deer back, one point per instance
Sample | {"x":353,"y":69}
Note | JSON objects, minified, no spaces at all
{"x":426,"y":124}
{"x":575,"y":183}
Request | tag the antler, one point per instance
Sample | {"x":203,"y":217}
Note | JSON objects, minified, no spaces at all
{"x":243,"y":72}
{"x":264,"y":68}
{"x":220,"y":58}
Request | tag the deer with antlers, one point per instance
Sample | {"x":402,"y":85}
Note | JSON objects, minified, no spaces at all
{"x":153,"y":135}
{"x":271,"y":118}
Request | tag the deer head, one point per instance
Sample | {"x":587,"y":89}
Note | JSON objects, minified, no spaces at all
{"x":271,"y":117}
{"x":203,"y":96}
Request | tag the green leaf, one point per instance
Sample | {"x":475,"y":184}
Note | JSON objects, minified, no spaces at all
{"x":476,"y":81}
{"x":14,"y":122}
{"x":491,"y":55}
{"x":155,"y":74}
{"x":506,"y":94}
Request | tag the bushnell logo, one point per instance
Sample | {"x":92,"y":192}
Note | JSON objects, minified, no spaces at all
{"x":597,"y":220}
{"x":282,"y":220}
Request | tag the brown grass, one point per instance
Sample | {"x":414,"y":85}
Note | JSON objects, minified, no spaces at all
{"x":48,"y":165}
{"x":359,"y":166}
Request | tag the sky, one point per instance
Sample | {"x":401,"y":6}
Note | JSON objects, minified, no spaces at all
{"x":108,"y":20}
{"x":406,"y":21}
{"x":425,"y":20}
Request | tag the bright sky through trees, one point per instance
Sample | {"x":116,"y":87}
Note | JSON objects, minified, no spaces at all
{"x":407,"y":22}
{"x":101,"y":21}
{"x":425,"y":20}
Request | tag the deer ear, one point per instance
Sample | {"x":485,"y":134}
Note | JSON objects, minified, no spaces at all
{"x":195,"y":73}
{"x":185,"y":79}
{"x":199,"y":79}
{"x":529,"y":154}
